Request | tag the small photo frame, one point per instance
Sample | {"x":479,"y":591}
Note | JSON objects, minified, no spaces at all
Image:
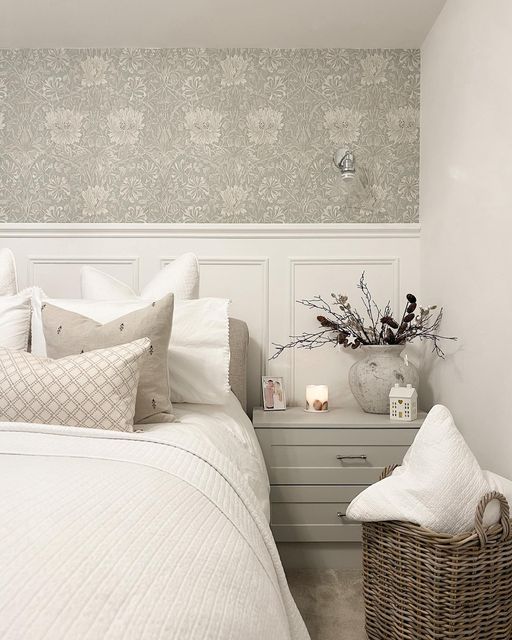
{"x":274,"y":398}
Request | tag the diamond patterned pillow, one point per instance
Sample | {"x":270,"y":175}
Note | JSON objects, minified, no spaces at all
{"x":95,"y":389}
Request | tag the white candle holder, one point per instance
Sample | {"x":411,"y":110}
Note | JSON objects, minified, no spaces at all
{"x":317,"y":398}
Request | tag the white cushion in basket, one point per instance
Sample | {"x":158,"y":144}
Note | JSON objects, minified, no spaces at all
{"x":180,"y":277}
{"x":438,"y":485}
{"x":500,"y":484}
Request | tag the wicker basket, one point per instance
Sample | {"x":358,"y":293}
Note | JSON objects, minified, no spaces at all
{"x":421,"y":585}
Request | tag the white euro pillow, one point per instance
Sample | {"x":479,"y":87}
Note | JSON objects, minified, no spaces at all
{"x":180,"y":277}
{"x":8,"y":278}
{"x":198,"y":350}
{"x":438,"y":485}
{"x":15,"y":321}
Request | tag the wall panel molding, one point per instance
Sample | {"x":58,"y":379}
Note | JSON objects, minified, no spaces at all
{"x":261,"y":268}
{"x":34,"y":261}
{"x":364,"y":262}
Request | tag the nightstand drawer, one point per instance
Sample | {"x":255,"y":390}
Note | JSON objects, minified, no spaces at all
{"x":317,"y":532}
{"x":330,"y":464}
{"x":314,"y":493}
{"x":351,"y":437}
{"x":309,"y":513}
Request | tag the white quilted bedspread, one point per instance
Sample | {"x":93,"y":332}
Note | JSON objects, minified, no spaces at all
{"x":110,"y":535}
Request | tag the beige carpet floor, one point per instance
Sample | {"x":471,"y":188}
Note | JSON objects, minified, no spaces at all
{"x":331,"y":602}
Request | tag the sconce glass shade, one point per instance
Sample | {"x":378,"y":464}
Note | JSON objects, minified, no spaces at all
{"x":345,"y":161}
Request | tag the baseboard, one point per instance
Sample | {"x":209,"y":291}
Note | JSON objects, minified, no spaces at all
{"x":320,"y":555}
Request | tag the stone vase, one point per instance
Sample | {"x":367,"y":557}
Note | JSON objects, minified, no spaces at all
{"x":372,"y":377}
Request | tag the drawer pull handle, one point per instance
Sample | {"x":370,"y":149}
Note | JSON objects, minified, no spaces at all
{"x":340,"y":515}
{"x":341,"y":458}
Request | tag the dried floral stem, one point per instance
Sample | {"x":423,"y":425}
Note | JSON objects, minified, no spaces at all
{"x":343,"y":325}
{"x":305,"y":341}
{"x":368,"y":303}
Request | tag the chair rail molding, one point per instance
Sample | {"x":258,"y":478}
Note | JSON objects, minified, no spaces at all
{"x":170,"y":230}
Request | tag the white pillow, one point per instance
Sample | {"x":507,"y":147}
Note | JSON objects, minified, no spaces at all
{"x":8,"y":279}
{"x":198,"y":350}
{"x":180,"y":277}
{"x":500,"y":484}
{"x":15,"y":321}
{"x":438,"y":485}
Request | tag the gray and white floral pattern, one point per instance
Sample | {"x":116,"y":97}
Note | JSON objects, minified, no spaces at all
{"x":263,"y":125}
{"x":64,"y":126}
{"x":94,"y":69}
{"x":125,"y":125}
{"x":194,"y":135}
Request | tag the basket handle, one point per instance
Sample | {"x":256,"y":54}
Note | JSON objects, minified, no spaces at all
{"x":388,"y":471}
{"x":504,"y":516}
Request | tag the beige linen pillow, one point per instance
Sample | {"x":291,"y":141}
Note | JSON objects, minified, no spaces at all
{"x":69,"y":333}
{"x":94,"y":390}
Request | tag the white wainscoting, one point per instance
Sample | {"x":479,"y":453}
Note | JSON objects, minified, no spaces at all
{"x":263,"y":269}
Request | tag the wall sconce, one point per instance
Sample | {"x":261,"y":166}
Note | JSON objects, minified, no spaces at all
{"x":345,"y":161}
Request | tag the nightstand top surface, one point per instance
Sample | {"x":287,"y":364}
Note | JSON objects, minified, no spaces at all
{"x":296,"y":417}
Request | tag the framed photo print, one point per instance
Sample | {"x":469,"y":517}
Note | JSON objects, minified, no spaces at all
{"x":274,"y":398}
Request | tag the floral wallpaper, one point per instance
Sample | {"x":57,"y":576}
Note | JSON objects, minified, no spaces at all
{"x":194,"y":135}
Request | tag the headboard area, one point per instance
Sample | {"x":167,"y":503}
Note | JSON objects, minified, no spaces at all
{"x":238,"y":347}
{"x":262,"y":268}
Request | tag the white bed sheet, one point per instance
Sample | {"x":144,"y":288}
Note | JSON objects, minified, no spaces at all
{"x":228,"y":428}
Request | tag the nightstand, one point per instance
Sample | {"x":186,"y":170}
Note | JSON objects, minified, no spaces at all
{"x":317,"y":463}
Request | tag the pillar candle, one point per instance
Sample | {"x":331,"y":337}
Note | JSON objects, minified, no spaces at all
{"x":317,"y":397}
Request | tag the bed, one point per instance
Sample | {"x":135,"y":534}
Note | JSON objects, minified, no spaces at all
{"x":162,"y":533}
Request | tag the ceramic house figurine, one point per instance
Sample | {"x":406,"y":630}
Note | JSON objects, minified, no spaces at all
{"x":403,"y":403}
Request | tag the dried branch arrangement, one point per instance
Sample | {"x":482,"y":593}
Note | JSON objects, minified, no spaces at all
{"x":341,"y":324}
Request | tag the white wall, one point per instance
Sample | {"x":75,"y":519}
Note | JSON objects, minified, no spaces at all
{"x":466,"y":216}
